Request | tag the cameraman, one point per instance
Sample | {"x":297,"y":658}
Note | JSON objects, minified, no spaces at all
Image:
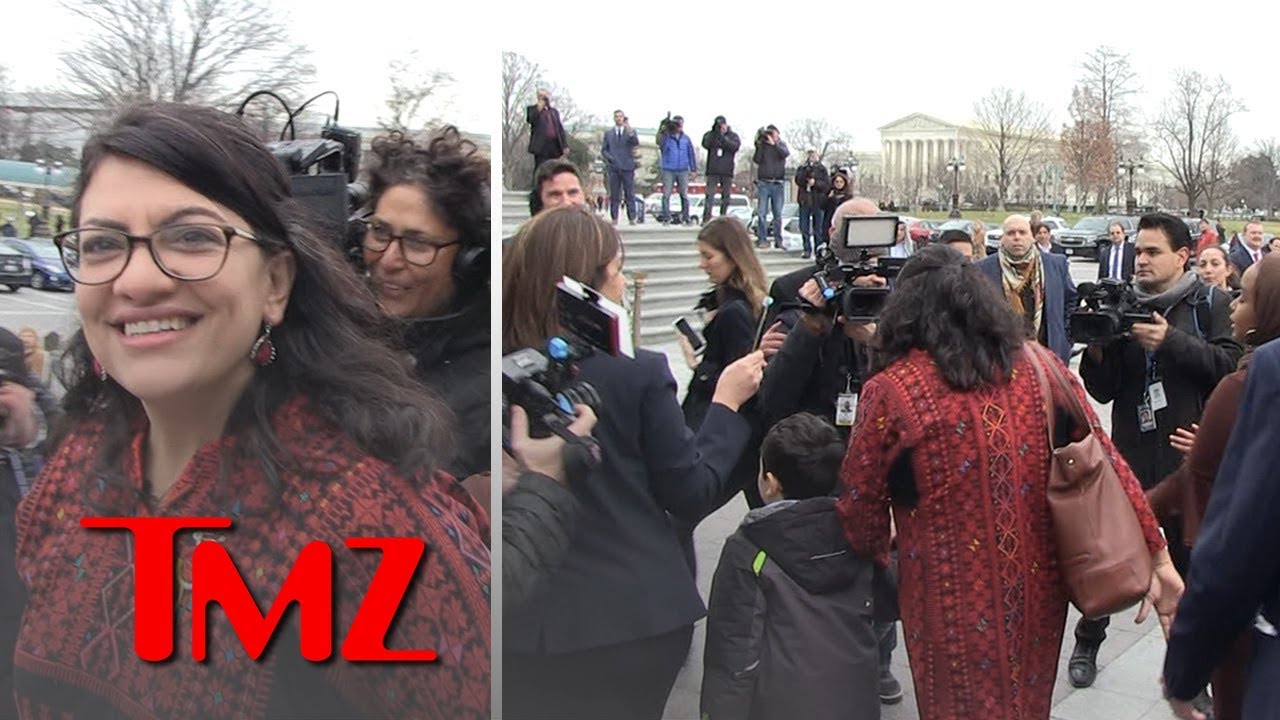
{"x":812,"y":183}
{"x":818,"y":367}
{"x":1157,"y":378}
{"x":607,"y":635}
{"x":678,"y":162}
{"x":538,"y":507}
{"x":771,"y":171}
{"x":722,"y":144}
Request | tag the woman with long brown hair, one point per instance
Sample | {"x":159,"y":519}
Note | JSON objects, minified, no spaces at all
{"x":1255,"y":320}
{"x":607,"y":633}
{"x":34,"y":356}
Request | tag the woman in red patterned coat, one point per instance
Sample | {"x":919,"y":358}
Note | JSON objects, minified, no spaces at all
{"x":951,"y":434}
{"x":227,"y":367}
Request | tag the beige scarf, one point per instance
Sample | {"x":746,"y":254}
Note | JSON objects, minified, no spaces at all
{"x":1017,"y":272}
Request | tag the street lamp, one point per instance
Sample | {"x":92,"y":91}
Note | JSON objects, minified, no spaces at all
{"x":1130,"y":167}
{"x":955,"y":166}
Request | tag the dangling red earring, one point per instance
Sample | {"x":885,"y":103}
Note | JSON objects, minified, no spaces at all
{"x":98,"y":370}
{"x":263,"y":352}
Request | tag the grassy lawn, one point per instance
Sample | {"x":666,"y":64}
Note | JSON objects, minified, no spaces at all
{"x":10,"y":208}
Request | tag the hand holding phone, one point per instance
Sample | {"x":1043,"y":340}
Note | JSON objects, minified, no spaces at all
{"x":690,"y":334}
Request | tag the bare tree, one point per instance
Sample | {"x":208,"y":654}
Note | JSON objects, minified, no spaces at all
{"x":519,"y":82}
{"x":7,"y":145}
{"x":1014,"y":130}
{"x":829,"y":140}
{"x":1194,"y":130}
{"x":214,"y":52}
{"x":411,"y":89}
{"x":1086,"y":145}
{"x":1108,"y":80}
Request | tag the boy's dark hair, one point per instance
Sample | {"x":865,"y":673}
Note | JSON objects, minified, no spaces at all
{"x":804,"y":452}
{"x":1175,"y":230}
{"x":955,"y":236}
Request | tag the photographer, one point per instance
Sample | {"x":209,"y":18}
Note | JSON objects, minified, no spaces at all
{"x":678,"y":162}
{"x":812,"y":183}
{"x":539,"y":509}
{"x":1157,"y":377}
{"x":547,"y":138}
{"x":771,"y":171}
{"x":819,"y":366}
{"x":722,"y":144}
{"x":427,"y":253}
{"x":607,"y":635}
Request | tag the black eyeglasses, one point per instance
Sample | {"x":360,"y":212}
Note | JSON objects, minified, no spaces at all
{"x":194,"y":252}
{"x":416,"y":247}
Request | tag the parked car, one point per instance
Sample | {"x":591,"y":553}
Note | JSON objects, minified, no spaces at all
{"x":1089,"y":233}
{"x":47,"y":271}
{"x":739,"y":207}
{"x":993,"y":236}
{"x":790,"y":211}
{"x":918,"y":229}
{"x":15,"y":268}
{"x":957,"y":224}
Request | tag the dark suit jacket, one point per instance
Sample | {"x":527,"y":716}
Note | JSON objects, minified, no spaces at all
{"x":1241,"y":258}
{"x":542,"y":142}
{"x":625,"y":577}
{"x":1126,"y":266}
{"x":1059,"y":298}
{"x":1234,"y":566}
{"x":616,"y":151}
{"x":1056,"y":248}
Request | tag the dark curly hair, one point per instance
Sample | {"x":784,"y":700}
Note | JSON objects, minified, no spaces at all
{"x":945,"y":306}
{"x":449,"y":170}
{"x":334,"y":343}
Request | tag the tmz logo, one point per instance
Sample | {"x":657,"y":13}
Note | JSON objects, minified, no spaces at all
{"x":215,"y":579}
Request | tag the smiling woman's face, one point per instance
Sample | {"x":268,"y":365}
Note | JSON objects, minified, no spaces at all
{"x":162,"y":338}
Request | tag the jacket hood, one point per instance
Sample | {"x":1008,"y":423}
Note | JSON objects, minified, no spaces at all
{"x":805,"y":539}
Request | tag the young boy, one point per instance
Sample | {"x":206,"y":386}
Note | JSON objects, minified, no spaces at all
{"x":789,"y":627}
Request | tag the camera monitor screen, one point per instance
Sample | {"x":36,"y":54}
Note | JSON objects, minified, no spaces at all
{"x":864,"y":232}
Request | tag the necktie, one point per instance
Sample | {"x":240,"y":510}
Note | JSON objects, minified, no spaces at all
{"x":1117,"y":257}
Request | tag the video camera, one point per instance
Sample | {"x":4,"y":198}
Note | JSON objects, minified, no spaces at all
{"x":544,"y":381}
{"x":849,"y":257}
{"x":1108,"y":311}
{"x":323,"y":173}
{"x":667,"y":125}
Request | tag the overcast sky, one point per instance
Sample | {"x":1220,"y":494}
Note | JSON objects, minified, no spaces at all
{"x":863,"y":65}
{"x":351,"y":49}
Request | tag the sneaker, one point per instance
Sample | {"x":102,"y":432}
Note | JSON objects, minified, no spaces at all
{"x":806,"y":255}
{"x":890,"y":688}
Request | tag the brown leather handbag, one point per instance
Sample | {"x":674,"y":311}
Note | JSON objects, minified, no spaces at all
{"x":1102,"y":553}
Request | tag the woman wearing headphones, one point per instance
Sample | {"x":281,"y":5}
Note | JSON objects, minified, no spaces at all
{"x":426,"y":248}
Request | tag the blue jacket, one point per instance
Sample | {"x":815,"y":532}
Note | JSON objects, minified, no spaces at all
{"x":616,"y":151}
{"x":1235,"y":570}
{"x":1059,"y":298}
{"x":677,"y":153}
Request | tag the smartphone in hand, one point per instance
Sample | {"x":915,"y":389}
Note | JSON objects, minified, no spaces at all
{"x":685,"y":329}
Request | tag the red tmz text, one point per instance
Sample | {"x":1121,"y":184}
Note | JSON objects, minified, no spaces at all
{"x":215,"y":579}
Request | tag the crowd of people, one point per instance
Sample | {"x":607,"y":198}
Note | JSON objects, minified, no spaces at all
{"x":897,"y":471}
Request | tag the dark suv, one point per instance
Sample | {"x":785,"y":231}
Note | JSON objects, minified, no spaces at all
{"x":15,"y":268}
{"x":1089,"y":233}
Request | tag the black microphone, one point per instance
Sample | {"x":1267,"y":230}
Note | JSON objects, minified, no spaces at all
{"x":1086,"y":288}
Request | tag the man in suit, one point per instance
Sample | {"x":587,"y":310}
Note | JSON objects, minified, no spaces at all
{"x":1036,"y":283}
{"x":547,"y":138}
{"x":1251,"y":248}
{"x":620,"y":165}
{"x":1115,"y":259}
{"x":1233,"y":585}
{"x":1045,"y":241}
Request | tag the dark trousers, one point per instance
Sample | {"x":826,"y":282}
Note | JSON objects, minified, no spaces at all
{"x":629,"y":681}
{"x":622,"y":187}
{"x":887,"y":640}
{"x":811,"y":224}
{"x":1262,"y":694}
{"x":717,"y":183}
{"x":539,"y":159}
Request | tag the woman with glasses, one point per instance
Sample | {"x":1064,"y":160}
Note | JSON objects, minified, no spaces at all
{"x":231,"y":364}
{"x":427,"y":254}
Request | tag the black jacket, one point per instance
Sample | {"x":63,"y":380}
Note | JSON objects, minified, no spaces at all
{"x":810,"y":370}
{"x":722,"y":148}
{"x":821,"y":184}
{"x":451,"y":355}
{"x":1189,"y":364}
{"x":789,"y":630}
{"x":771,"y":160}
{"x":547,"y":137}
{"x":625,"y":577}
{"x":538,"y":517}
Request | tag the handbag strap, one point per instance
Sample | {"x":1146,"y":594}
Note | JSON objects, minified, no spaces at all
{"x":1045,"y":367}
{"x":1046,"y":391}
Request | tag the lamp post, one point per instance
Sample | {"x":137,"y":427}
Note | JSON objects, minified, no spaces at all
{"x":1130,"y":167}
{"x":955,"y":166}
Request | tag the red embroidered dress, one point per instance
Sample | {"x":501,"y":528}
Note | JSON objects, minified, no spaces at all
{"x":75,"y":656}
{"x":983,"y":606}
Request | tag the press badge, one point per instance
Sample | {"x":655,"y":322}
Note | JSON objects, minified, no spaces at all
{"x":1146,"y":417}
{"x":1156,"y":393}
{"x":846,"y":409}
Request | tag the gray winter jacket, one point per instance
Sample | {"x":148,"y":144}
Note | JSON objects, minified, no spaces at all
{"x":789,"y":626}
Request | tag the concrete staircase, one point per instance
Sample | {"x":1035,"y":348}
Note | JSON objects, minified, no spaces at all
{"x":669,"y":257}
